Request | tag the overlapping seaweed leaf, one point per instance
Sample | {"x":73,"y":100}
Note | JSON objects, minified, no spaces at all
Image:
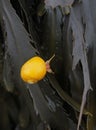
{"x":80,"y":54}
{"x":62,"y":3}
{"x":17,"y":44}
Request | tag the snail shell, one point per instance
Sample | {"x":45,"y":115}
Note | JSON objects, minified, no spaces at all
{"x":33,"y":70}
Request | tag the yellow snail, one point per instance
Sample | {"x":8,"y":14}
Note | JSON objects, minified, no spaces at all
{"x":35,"y":69}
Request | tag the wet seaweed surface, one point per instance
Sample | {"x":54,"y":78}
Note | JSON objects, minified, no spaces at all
{"x":62,"y":101}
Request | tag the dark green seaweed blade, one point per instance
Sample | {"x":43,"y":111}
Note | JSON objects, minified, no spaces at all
{"x":17,"y":50}
{"x":17,"y":40}
{"x":79,"y":54}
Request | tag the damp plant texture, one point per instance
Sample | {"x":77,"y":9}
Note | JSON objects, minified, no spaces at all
{"x":47,"y":65}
